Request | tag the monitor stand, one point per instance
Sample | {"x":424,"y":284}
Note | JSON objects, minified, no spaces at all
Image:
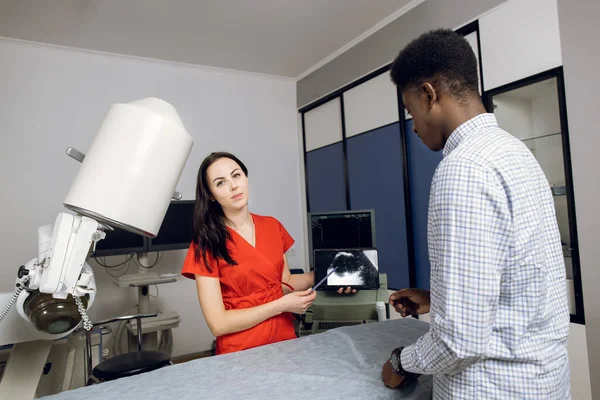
{"x":142,"y":280}
{"x":331,"y":310}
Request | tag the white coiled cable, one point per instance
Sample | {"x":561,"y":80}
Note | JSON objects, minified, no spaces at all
{"x":87,"y":324}
{"x":12,"y":301}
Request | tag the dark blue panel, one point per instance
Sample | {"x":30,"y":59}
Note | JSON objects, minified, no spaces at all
{"x":325,"y":179}
{"x":375,"y":169}
{"x":422,"y":163}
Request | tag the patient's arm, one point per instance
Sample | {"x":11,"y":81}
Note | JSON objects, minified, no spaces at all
{"x":222,"y":322}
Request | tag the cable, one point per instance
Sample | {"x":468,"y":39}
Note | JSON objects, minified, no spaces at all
{"x":165,"y":345}
{"x":301,"y":322}
{"x":114,"y":341}
{"x":124,"y":272}
{"x":158,"y":258}
{"x":12,"y":301}
{"x":156,"y":297}
{"x":103,"y":264}
{"x":122,"y":266}
{"x":87,"y":324}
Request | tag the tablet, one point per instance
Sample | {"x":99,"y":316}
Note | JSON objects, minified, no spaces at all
{"x":357,"y":268}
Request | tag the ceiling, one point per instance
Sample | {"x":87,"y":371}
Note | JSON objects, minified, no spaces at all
{"x":276,"y":37}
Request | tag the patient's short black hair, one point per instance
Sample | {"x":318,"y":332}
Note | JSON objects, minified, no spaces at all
{"x":444,"y":58}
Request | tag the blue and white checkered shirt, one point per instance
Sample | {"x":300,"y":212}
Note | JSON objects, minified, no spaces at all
{"x":499,"y":311}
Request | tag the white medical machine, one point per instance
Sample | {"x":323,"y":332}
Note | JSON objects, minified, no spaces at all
{"x":126,"y":180}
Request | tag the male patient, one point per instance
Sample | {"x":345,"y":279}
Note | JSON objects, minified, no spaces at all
{"x":498,"y":301}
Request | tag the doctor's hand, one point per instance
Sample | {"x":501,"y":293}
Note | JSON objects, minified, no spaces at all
{"x":348,"y":290}
{"x":297,"y":302}
{"x":410,"y":302}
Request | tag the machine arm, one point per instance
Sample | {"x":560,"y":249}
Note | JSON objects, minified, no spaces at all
{"x":126,"y":180}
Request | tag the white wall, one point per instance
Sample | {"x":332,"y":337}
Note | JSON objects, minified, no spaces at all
{"x":546,"y":115}
{"x":52,"y":98}
{"x":371,"y":105}
{"x":323,"y":125}
{"x":519,"y":39}
{"x":579,"y":32}
{"x":514,"y":115}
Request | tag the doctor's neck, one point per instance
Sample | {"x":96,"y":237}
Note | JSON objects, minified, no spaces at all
{"x":238,"y":219}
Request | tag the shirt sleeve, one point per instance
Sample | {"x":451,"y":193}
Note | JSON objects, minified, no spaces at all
{"x":191,"y":267}
{"x":287,"y":239}
{"x":469,"y":232}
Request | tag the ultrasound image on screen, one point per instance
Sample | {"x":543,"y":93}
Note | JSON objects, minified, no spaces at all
{"x":358,"y":268}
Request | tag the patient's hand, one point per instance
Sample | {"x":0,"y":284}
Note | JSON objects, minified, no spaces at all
{"x":389,"y":377}
{"x":410,"y":302}
{"x":348,"y":290}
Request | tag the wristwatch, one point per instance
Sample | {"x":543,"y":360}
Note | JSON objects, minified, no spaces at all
{"x":396,"y":362}
{"x":410,"y":378}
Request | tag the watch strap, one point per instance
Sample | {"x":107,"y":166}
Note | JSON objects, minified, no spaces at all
{"x":409,"y":377}
{"x":396,"y":355}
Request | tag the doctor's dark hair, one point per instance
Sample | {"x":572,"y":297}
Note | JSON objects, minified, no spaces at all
{"x":210,"y":233}
{"x":442,"y":57}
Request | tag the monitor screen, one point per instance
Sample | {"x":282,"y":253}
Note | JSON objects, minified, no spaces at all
{"x":176,"y":230}
{"x":342,"y":230}
{"x":357,"y":268}
{"x":119,"y":242}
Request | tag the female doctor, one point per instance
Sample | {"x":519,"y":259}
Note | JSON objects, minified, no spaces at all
{"x":238,"y":261}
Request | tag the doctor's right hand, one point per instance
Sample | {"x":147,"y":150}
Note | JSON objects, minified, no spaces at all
{"x":297,"y":302}
{"x":410,"y":302}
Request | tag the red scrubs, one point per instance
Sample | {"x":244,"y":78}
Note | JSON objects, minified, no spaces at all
{"x":254,"y":281}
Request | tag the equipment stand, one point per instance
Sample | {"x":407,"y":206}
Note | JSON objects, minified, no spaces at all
{"x":24,"y":369}
{"x":150,"y":326}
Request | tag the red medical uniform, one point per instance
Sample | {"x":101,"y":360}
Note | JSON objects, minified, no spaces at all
{"x":254,"y":281}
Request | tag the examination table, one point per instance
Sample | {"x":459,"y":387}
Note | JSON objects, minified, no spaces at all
{"x":343,"y":363}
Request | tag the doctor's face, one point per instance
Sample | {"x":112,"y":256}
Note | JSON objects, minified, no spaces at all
{"x":228,"y":184}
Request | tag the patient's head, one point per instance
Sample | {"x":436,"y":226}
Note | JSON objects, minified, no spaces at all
{"x":437,"y":76}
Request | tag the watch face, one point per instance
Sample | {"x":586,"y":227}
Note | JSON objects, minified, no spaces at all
{"x":395,"y":361}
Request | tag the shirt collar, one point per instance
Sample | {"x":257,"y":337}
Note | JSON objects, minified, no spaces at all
{"x":475,"y":124}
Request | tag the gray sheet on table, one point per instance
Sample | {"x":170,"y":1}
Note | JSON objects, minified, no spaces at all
{"x":343,"y":363}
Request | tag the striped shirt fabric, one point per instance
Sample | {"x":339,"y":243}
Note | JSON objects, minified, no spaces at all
{"x":499,"y":310}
